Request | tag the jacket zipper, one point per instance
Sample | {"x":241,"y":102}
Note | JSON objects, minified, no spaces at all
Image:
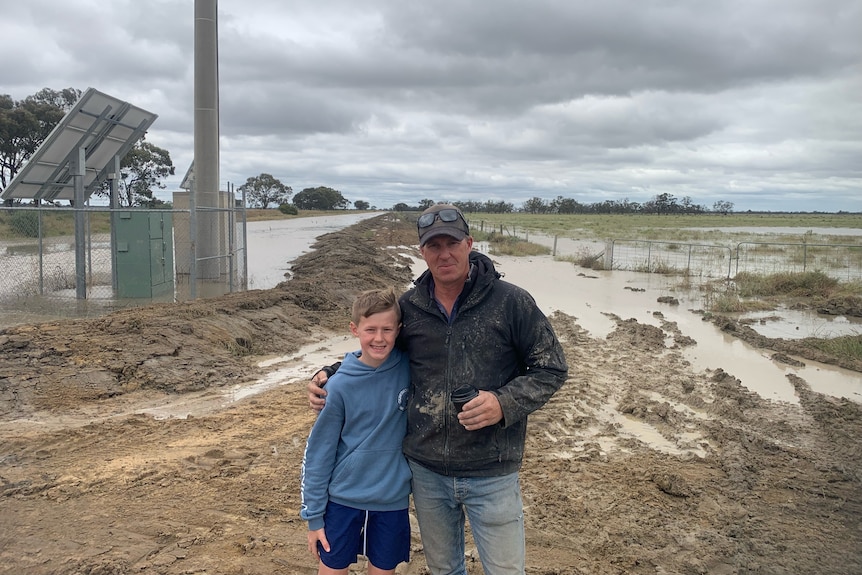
{"x":447,"y":391}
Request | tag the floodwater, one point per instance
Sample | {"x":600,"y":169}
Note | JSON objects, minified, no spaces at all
{"x":590,"y":295}
{"x":272,"y":245}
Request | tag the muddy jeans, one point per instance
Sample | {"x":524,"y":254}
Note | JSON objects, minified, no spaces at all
{"x":495,"y":510}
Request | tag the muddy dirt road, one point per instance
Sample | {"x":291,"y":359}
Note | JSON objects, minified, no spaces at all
{"x":89,"y":484}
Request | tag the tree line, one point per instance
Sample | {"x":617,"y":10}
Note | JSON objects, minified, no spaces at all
{"x":659,"y":204}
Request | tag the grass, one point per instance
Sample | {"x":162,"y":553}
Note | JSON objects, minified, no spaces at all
{"x":585,"y":258}
{"x":54,"y":223}
{"x":752,"y":292}
{"x":845,"y":346}
{"x":804,"y":284}
{"x":683,"y":228}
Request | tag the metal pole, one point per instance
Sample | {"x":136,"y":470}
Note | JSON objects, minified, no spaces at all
{"x":193,"y":244}
{"x":89,"y":238}
{"x":79,"y":161}
{"x":206,"y":130}
{"x":41,"y":249}
{"x":113,"y":178}
{"x":231,"y":232}
{"x":244,"y":243}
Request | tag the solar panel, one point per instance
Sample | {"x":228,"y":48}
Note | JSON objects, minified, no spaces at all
{"x":103,"y":125}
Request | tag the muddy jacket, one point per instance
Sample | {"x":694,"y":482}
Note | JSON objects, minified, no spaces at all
{"x":499,"y":341}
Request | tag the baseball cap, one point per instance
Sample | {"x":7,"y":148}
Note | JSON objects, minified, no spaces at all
{"x":442,"y":219}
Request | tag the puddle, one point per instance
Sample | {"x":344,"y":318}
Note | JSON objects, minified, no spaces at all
{"x":645,"y":433}
{"x":296,"y":368}
{"x":799,"y":324}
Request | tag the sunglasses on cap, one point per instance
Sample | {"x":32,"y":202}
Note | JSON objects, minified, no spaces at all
{"x":445,"y":215}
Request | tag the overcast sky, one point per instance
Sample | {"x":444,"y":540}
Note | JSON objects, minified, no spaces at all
{"x":754,"y":102}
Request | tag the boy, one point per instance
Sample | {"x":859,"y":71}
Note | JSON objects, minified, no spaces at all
{"x":355,"y":481}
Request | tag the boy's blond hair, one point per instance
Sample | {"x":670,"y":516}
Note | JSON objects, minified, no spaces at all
{"x":375,"y":301}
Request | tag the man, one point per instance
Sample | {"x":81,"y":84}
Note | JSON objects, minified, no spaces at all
{"x":462,"y":324}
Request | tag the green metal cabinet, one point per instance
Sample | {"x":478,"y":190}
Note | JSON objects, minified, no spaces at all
{"x":144,"y":256}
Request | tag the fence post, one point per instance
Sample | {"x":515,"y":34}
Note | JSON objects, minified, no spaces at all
{"x":649,"y":257}
{"x":609,"y":254}
{"x":231,"y":242}
{"x":688,"y":263}
{"x":41,"y":250}
{"x":193,"y":242}
{"x":78,"y":173}
{"x":244,"y":242}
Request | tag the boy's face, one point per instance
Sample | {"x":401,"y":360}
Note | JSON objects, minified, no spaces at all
{"x":376,"y":334}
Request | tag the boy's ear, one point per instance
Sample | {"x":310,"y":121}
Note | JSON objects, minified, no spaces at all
{"x":353,"y":329}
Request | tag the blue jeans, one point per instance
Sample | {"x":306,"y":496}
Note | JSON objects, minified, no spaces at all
{"x":496,"y":513}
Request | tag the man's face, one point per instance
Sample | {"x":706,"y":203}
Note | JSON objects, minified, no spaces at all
{"x":448,"y":259}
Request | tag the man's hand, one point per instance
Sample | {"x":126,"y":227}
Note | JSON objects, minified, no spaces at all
{"x":316,"y":393}
{"x":313,"y":538}
{"x":481,"y":412}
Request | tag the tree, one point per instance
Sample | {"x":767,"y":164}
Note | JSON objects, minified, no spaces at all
{"x":264,"y":190}
{"x":662,"y":204}
{"x":469,"y":206}
{"x":361,"y":205}
{"x":535,"y":205}
{"x":722,"y":206}
{"x":497,"y":207}
{"x":25,"y":124}
{"x":320,"y":198}
{"x":141,"y":170}
{"x":424,"y":204}
{"x":564,"y":206}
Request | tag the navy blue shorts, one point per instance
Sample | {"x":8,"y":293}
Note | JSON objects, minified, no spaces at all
{"x":382,"y":536}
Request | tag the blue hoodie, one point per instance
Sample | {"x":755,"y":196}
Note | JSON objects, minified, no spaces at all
{"x":353,"y":456}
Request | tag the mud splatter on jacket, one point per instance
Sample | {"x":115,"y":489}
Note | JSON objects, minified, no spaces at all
{"x":499,"y":341}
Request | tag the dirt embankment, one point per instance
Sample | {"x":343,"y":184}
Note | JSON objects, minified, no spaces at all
{"x":638,"y":465}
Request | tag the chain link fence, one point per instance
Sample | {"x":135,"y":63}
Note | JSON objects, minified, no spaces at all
{"x":840,"y":261}
{"x":671,"y":258}
{"x":125,"y":257}
{"x":708,"y":261}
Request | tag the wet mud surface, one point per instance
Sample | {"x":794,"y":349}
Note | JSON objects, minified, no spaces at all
{"x":638,"y":465}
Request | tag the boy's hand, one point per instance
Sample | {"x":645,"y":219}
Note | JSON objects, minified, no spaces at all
{"x":313,"y":538}
{"x":316,"y":393}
